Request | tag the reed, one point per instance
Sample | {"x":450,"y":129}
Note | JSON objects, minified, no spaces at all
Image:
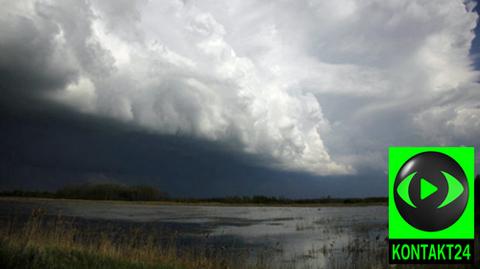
{"x":43,"y":242}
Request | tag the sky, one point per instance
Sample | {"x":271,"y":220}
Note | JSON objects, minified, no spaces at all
{"x":244,"y":97}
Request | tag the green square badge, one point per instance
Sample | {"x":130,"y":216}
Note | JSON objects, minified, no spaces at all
{"x":431,"y":192}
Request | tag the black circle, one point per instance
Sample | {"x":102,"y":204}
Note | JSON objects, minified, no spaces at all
{"x":426,"y":215}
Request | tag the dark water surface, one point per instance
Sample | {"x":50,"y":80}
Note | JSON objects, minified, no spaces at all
{"x":292,"y":237}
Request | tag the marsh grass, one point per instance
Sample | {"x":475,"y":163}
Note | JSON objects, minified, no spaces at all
{"x":43,"y":241}
{"x":59,"y":242}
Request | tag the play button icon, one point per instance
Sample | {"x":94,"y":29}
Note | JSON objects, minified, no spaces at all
{"x":431,"y":191}
{"x":426,"y":189}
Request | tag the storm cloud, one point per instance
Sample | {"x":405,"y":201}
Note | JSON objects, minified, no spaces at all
{"x":319,"y":88}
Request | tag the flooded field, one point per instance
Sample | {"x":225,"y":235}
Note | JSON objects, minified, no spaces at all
{"x":286,"y":237}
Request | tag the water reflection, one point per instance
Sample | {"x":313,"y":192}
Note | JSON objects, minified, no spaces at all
{"x":291,"y":237}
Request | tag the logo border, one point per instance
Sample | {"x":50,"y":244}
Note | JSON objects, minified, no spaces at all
{"x":398,"y":227}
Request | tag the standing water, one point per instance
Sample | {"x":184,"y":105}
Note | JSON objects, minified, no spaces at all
{"x":284,"y":237}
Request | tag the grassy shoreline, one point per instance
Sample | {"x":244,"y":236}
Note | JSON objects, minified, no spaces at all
{"x":201,"y":203}
{"x":15,"y":256}
{"x":45,"y":241}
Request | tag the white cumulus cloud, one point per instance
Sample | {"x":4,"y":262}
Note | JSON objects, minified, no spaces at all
{"x":318,"y":86}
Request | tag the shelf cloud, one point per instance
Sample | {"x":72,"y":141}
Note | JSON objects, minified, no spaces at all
{"x":322,"y":87}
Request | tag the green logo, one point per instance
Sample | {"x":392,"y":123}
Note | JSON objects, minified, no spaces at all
{"x":431,"y":192}
{"x":454,"y":189}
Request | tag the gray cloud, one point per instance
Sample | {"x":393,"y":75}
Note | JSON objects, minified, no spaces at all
{"x":45,"y":148}
{"x":30,"y":60}
{"x":316,"y":86}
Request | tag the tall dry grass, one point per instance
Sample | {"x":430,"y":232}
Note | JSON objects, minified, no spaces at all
{"x":132,"y":248}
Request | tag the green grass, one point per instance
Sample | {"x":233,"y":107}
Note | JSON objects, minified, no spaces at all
{"x":36,"y":257}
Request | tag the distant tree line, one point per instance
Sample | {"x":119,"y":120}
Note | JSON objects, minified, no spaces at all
{"x":148,"y":193}
{"x":272,"y":200}
{"x":97,"y":192}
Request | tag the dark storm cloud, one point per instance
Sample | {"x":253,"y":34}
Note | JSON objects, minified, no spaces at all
{"x":50,"y":148}
{"x":204,"y":89}
{"x":29,"y":59}
{"x":202,"y":97}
